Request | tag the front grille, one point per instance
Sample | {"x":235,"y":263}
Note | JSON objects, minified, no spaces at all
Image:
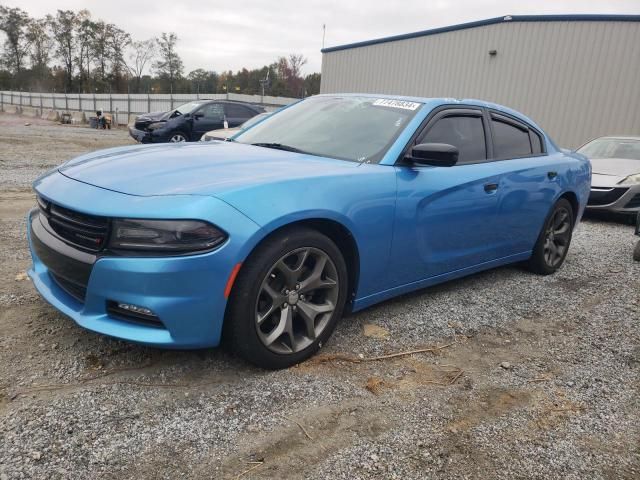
{"x":605,"y":197}
{"x":77,"y":291}
{"x":634,"y":202}
{"x":88,"y":232}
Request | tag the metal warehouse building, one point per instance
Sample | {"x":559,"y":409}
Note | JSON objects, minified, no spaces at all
{"x":578,"y":76}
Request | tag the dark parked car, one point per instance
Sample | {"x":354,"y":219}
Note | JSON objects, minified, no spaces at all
{"x":190,"y":121}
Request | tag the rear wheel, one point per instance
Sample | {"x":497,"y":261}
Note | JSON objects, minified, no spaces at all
{"x":287,"y":299}
{"x":636,"y":252}
{"x":553,"y":242}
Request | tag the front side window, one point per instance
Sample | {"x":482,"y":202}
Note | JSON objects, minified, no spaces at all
{"x":187,"y":108}
{"x":354,"y":128}
{"x":212,"y":111}
{"x":509,"y":141}
{"x":466,"y":133}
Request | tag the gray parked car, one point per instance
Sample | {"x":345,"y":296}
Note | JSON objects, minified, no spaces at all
{"x":615,"y":183}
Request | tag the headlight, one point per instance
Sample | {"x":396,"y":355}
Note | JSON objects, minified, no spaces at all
{"x":177,"y":236}
{"x":631,"y":180}
{"x":155,"y":125}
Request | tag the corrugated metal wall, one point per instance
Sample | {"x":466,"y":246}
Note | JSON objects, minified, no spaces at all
{"x":577,"y":79}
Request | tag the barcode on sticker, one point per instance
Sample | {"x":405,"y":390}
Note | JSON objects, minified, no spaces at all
{"x":384,"y":102}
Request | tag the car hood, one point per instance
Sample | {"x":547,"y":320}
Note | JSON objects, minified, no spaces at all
{"x":620,"y":167}
{"x":154,"y":116}
{"x":209,"y":168}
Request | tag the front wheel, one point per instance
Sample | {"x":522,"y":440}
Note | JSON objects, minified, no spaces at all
{"x":287,"y":299}
{"x":636,"y":252}
{"x":553,"y":242}
{"x":178,"y":137}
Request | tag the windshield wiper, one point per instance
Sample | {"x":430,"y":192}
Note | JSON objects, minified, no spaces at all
{"x":278,"y":146}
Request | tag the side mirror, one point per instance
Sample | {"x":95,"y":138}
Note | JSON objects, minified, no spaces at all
{"x":198,"y":115}
{"x":435,"y":154}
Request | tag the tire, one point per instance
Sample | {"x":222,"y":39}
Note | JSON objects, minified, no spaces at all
{"x":178,"y":137}
{"x":279,"y":311}
{"x":636,"y":252}
{"x":554,"y":239}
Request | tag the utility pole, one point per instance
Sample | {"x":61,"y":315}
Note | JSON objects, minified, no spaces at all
{"x":324,"y":31}
{"x":263,"y":82}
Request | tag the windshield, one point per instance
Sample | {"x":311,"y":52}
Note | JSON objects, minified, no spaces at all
{"x":612,"y":148}
{"x":187,"y":108}
{"x":359,"y":129}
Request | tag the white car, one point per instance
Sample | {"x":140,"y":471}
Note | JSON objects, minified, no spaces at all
{"x":224,"y":133}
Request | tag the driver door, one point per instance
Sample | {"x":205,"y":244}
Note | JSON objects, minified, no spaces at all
{"x":446,"y":217}
{"x":208,"y":117}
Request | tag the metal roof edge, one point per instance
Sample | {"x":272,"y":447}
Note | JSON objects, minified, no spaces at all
{"x":490,"y":21}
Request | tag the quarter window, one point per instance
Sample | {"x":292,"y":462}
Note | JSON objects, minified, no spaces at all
{"x":536,"y":143}
{"x":509,"y":141}
{"x":464,"y":132}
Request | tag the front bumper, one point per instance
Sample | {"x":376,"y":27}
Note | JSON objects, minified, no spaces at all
{"x":621,"y":199}
{"x":186,"y":293}
{"x":140,"y":135}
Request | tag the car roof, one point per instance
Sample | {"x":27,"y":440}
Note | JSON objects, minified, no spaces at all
{"x":436,"y":101}
{"x":618,"y":137}
{"x":233,"y":102}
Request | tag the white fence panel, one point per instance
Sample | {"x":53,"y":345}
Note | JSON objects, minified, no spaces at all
{"x":124,"y":105}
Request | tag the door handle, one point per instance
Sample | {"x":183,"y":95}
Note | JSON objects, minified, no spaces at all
{"x":490,"y":187}
{"x":552,"y":175}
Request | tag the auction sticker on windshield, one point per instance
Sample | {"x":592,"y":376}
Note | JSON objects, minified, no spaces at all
{"x":385,"y":102}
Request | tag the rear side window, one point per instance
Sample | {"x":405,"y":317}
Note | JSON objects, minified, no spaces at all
{"x":510,"y":141}
{"x":238,"y":111}
{"x":464,"y":132}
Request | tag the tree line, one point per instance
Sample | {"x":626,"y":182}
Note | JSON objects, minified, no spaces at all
{"x":76,"y":53}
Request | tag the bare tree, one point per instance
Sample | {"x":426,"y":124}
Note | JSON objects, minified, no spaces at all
{"x":41,"y":40}
{"x":118,"y":41}
{"x":169,"y":66}
{"x":142,"y":54}
{"x":296,"y":62}
{"x":85,"y":33}
{"x":99,"y":50}
{"x":64,"y":26}
{"x":14,"y":23}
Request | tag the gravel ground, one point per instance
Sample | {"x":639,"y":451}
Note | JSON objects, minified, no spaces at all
{"x":28,"y":151}
{"x":537,"y":377}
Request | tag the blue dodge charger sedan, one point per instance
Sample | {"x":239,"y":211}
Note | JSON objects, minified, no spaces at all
{"x":333,"y":204}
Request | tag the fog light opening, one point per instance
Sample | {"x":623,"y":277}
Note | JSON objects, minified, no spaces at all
{"x":136,"y":309}
{"x":133,"y":314}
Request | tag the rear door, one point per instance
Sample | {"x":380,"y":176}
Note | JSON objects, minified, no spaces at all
{"x":446,"y":217}
{"x":530,"y":180}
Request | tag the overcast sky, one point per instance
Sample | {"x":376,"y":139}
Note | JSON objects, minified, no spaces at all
{"x":231,"y":34}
